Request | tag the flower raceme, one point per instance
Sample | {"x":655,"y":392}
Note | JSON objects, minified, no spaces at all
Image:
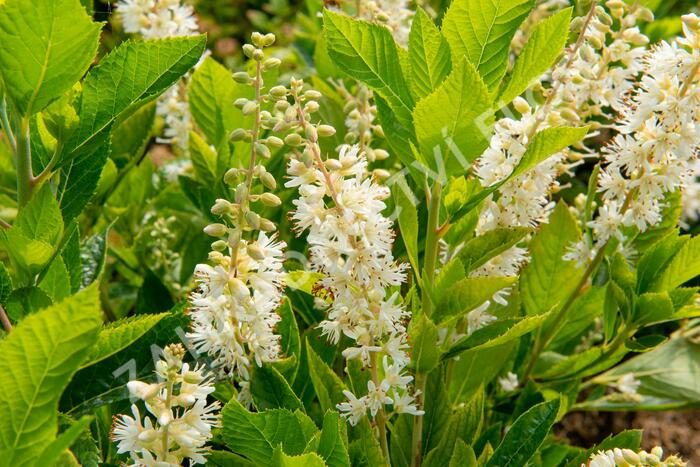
{"x":178,"y":421}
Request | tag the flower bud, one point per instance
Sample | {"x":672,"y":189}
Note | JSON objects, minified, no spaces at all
{"x":215,"y":230}
{"x":143,"y":391}
{"x":325,"y":131}
{"x":253,"y":220}
{"x":381,"y":174}
{"x":268,"y":180}
{"x":521,"y":105}
{"x":257,"y":39}
{"x":240,"y":102}
{"x":239,"y":134}
{"x":270,"y":199}
{"x":269,"y":39}
{"x":262,"y":150}
{"x":241,"y":193}
{"x":380,"y":154}
{"x":313,"y":95}
{"x":631,"y":457}
{"x":311,"y":133}
{"x":219,"y":245}
{"x":221,"y":207}
{"x":293,"y":139}
{"x":266,"y":225}
{"x":192,"y":377}
{"x":274,"y":142}
{"x":231,"y":176}
{"x":255,"y":252}
{"x":241,"y":77}
{"x":271,"y":64}
{"x":249,"y":107}
{"x":237,"y":288}
{"x":248,"y":50}
{"x":278,"y":91}
{"x":311,"y":107}
{"x":258,"y":55}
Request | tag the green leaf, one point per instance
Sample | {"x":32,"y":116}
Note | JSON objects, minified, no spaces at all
{"x":203,"y":160}
{"x":453,"y":123}
{"x":130,"y":137}
{"x":41,"y":218}
{"x":525,"y":436}
{"x":482,"y":31}
{"x":256,"y":435}
{"x":408,"y":219}
{"x":436,"y":421}
{"x":425,"y":353}
{"x":548,"y":279}
{"x":428,"y":53}
{"x":543,"y":47}
{"x":47,"y":45}
{"x":466,"y":295}
{"x":328,"y":386}
{"x":463,"y":456}
{"x":80,"y":177}
{"x":26,"y":300}
{"x":119,"y":335}
{"x":271,"y":391}
{"x":497,"y":333}
{"x":133,"y":73}
{"x":310,"y":459}
{"x":212,"y":91}
{"x":477,"y":368}
{"x":5,"y":284}
{"x":547,"y":142}
{"x":684,"y":266}
{"x":64,"y":441}
{"x":368,"y":53}
{"x":653,"y":308}
{"x":332,"y":445}
{"x":39,"y":358}
{"x":93,"y":253}
{"x":479,"y":250}
{"x":56,"y":281}
{"x":28,"y":256}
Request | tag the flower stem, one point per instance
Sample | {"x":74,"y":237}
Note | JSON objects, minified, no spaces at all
{"x":417,"y":439}
{"x":381,"y":416}
{"x":6,"y":324}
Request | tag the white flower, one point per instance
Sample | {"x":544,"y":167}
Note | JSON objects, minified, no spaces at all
{"x":509,"y":382}
{"x":183,"y":419}
{"x":628,"y":384}
{"x":479,"y":317}
{"x":354,"y":409}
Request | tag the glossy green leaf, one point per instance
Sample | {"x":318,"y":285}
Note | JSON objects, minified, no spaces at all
{"x":684,"y":266}
{"x":482,"y":248}
{"x":429,"y":54}
{"x":310,"y":459}
{"x":332,"y":445}
{"x":425,"y":353}
{"x":466,"y":295}
{"x":525,"y":436}
{"x":543,"y":47}
{"x":271,"y":391}
{"x":482,"y":31}
{"x":328,"y":386}
{"x":39,"y":358}
{"x":47,"y":46}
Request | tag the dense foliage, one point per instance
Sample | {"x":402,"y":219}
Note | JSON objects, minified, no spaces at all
{"x":376,"y":233}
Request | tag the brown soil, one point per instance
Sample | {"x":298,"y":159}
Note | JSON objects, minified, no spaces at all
{"x":676,"y":432}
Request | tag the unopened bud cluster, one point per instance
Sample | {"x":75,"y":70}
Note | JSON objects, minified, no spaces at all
{"x":360,"y":121}
{"x":628,"y":458}
{"x":178,"y":421}
{"x":233,"y":310}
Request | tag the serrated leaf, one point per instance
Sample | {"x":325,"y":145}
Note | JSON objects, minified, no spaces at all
{"x":525,"y":436}
{"x":119,"y":335}
{"x":211,"y":93}
{"x":547,"y":142}
{"x":368,"y":53}
{"x":684,"y":266}
{"x":134,"y":72}
{"x":543,"y":47}
{"x":39,"y":358}
{"x":130,"y":137}
{"x":79,"y":179}
{"x":47,"y":45}
{"x":453,"y":123}
{"x":408,"y":219}
{"x":203,"y":160}
{"x":548,"y":279}
{"x":40,"y":219}
{"x":56,"y":281}
{"x":429,"y":55}
{"x":257,"y":435}
{"x":310,"y":459}
{"x":425,"y":353}
{"x":5,"y":284}
{"x":332,"y":445}
{"x":271,"y":391}
{"x":328,"y":386}
{"x":466,"y":295}
{"x":482,"y":31}
{"x":498,"y":333}
{"x":479,"y":250}
{"x":54,"y":450}
{"x":26,"y":300}
{"x":93,"y":253}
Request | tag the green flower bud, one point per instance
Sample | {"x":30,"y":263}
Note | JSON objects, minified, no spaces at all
{"x":250,"y":107}
{"x":268,"y":180}
{"x":248,"y":50}
{"x":278,"y":91}
{"x":274,"y":142}
{"x":258,"y":55}
{"x":313,"y":95}
{"x":269,"y":39}
{"x":221,"y":207}
{"x":267,"y":225}
{"x":311,"y":133}
{"x":231,"y":176}
{"x":271,"y":64}
{"x":258,"y":39}
{"x":215,"y":230}
{"x":325,"y":131}
{"x":262,"y":150}
{"x":270,"y":199}
{"x":311,"y":107}
{"x":252,"y":219}
{"x":255,"y":252}
{"x":293,"y":139}
{"x":239,"y":134}
{"x":219,"y":245}
{"x":241,"y":77}
{"x":240,"y":102}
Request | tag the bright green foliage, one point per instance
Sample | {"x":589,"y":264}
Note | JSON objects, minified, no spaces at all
{"x":61,"y":40}
{"x":548,"y":279}
{"x":368,"y":53}
{"x":119,"y":335}
{"x":328,"y":386}
{"x":257,"y":435}
{"x":547,"y":142}
{"x":468,"y":294}
{"x":333,"y":441}
{"x":543,"y":48}
{"x":39,"y":359}
{"x":424,"y":336}
{"x":429,"y":55}
{"x":525,"y":436}
{"x":482,"y":31}
{"x":453,"y":122}
{"x":133,"y":73}
{"x":271,"y":391}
